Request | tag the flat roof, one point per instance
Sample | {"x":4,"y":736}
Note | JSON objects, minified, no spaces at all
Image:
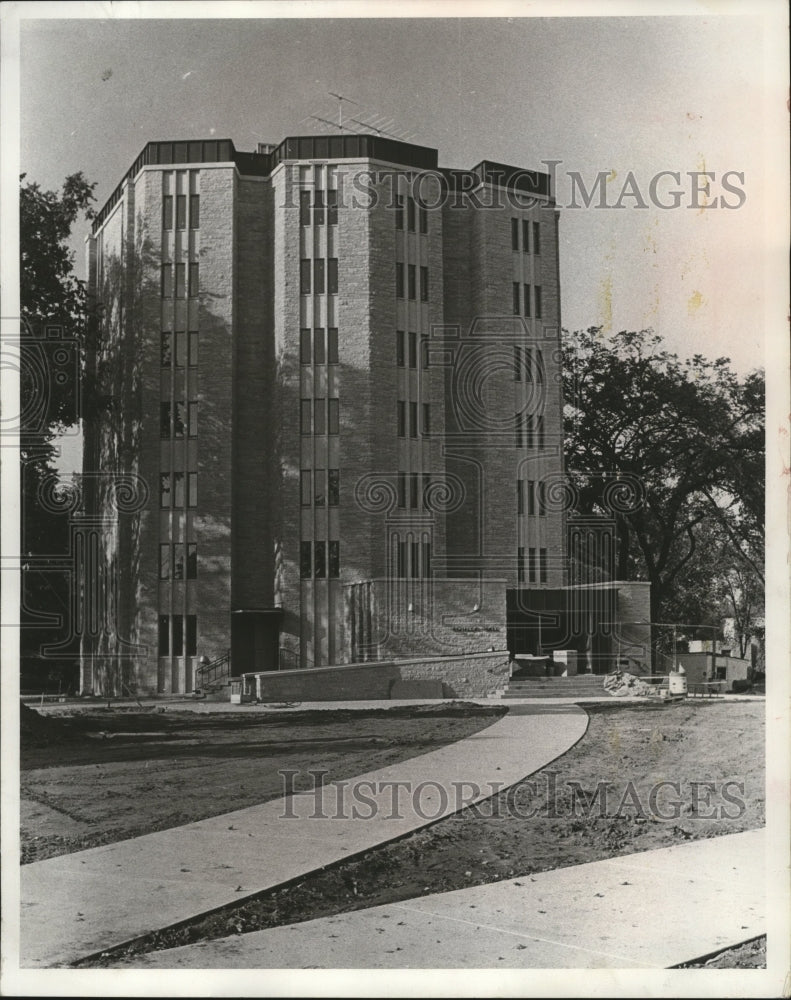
{"x":323,"y":147}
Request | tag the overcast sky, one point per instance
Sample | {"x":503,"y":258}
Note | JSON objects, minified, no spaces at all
{"x":639,"y":94}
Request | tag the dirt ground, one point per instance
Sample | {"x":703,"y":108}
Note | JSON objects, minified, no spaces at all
{"x":546,"y":823}
{"x":96,"y":777}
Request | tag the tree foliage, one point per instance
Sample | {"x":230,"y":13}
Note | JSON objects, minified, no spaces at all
{"x":54,"y":336}
{"x":691,"y":432}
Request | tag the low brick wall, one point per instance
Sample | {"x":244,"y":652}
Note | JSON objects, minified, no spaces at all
{"x":476,"y":675}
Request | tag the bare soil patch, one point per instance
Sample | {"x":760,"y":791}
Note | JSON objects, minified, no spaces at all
{"x":531,"y":828}
{"x":97,"y":777}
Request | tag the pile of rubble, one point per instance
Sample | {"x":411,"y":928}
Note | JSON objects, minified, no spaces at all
{"x":623,"y":685}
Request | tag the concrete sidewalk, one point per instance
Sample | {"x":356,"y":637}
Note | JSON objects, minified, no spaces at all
{"x":650,"y":910}
{"x":82,"y":903}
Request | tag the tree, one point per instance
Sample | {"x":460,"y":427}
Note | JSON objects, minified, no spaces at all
{"x":54,"y":334}
{"x":690,"y":434}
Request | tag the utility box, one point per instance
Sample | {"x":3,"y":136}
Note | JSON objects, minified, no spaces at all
{"x":676,"y":684}
{"x":238,"y":694}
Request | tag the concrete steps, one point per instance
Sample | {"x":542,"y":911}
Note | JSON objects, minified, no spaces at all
{"x":579,"y":686}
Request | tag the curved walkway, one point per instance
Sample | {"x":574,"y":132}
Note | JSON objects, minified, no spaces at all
{"x":79,"y":904}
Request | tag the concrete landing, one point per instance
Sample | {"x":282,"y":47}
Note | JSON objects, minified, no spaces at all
{"x":82,"y":903}
{"x":650,"y":910}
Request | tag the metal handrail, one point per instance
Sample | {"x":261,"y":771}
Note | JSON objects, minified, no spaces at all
{"x":209,"y":673}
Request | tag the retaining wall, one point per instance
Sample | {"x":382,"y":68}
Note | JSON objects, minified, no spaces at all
{"x":476,"y":675}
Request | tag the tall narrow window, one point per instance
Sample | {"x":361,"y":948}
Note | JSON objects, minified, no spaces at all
{"x":318,"y":208}
{"x":334,"y":560}
{"x":399,"y":211}
{"x":304,"y":277}
{"x":166,"y":349}
{"x":542,"y":497}
{"x":305,"y":414}
{"x":525,"y":236}
{"x":167,"y":211}
{"x":333,"y":487}
{"x":164,"y":635}
{"x":332,"y":276}
{"x":192,"y":561}
{"x":194,"y":211}
{"x":410,"y":207}
{"x":319,"y":416}
{"x":514,"y":234}
{"x":332,"y":345}
{"x":401,"y":489}
{"x":424,"y":351}
{"x":167,"y":281}
{"x":426,"y":559}
{"x":164,"y":420}
{"x":520,"y":564}
{"x":400,"y":358}
{"x":192,"y":635}
{"x":192,"y":418}
{"x":415,"y":559}
{"x":423,"y":219}
{"x":424,"y":284}
{"x":530,"y":420}
{"x":542,"y":565}
{"x":305,"y":487}
{"x":179,"y":419}
{"x":536,"y":237}
{"x":164,"y":562}
{"x":178,"y":635}
{"x":318,"y":276}
{"x":531,"y":565}
{"x":412,"y":271}
{"x":426,"y":499}
{"x":516,"y":298}
{"x":181,"y":281}
{"x":412,"y":350}
{"x":538,"y":367}
{"x":193,"y":348}
{"x":413,"y":420}
{"x":332,"y":208}
{"x":180,"y":344}
{"x":426,"y":419}
{"x":194,"y":284}
{"x":540,"y":431}
{"x":305,"y":345}
{"x":181,"y":211}
{"x":399,"y":280}
{"x":414,"y":489}
{"x":520,"y":496}
{"x":320,"y":560}
{"x":531,"y":497}
{"x":401,"y":564}
{"x":527,"y":300}
{"x":178,"y":490}
{"x":164,"y":489}
{"x":305,"y":560}
{"x":517,"y":363}
{"x":518,"y":420}
{"x":319,"y":355}
{"x":537,"y":293}
{"x":319,"y":495}
{"x":304,"y":208}
{"x":401,"y":414}
{"x":192,"y":489}
{"x":178,"y":561}
{"x":333,"y":416}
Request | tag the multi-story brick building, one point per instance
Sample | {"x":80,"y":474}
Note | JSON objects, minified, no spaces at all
{"x":331,"y":372}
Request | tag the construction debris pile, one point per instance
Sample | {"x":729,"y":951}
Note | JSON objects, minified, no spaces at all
{"x":623,"y":685}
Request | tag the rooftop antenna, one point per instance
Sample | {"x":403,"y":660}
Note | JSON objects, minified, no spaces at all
{"x":341,"y":99}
